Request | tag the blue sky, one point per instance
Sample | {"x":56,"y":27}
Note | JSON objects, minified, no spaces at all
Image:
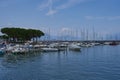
{"x":102,"y":15}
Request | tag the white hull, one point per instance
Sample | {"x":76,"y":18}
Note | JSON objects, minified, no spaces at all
{"x":74,"y":47}
{"x":49,"y":49}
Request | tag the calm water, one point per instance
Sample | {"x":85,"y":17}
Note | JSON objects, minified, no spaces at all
{"x":95,"y":63}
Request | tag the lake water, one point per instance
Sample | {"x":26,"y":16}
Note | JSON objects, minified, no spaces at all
{"x":95,"y":63}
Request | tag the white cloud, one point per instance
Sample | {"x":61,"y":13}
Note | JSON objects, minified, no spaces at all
{"x":51,"y":12}
{"x":114,"y":18}
{"x":44,"y":5}
{"x":70,"y":3}
{"x":52,"y":9}
{"x":65,"y":29}
{"x":102,"y":17}
{"x":94,"y":18}
{"x":88,"y":17}
{"x":48,"y":5}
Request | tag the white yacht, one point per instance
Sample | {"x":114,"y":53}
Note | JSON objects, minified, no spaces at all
{"x":74,"y":47}
{"x":49,"y":49}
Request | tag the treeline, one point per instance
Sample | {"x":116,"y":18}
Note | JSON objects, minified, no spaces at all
{"x":21,"y":34}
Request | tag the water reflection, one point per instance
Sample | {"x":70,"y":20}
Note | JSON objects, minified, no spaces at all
{"x":13,"y":60}
{"x":94,"y":63}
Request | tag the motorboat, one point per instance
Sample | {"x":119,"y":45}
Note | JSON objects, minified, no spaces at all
{"x":74,"y":47}
{"x":49,"y":49}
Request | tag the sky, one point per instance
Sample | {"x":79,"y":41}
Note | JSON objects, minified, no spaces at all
{"x":62,"y":15}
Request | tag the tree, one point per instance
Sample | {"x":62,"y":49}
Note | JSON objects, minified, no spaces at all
{"x":21,"y":34}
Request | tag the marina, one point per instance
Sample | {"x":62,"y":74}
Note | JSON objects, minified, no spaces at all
{"x":97,"y":62}
{"x":51,"y":46}
{"x":60,"y":40}
{"x":25,"y":57}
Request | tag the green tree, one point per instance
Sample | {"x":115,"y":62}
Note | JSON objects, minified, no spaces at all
{"x":21,"y":34}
